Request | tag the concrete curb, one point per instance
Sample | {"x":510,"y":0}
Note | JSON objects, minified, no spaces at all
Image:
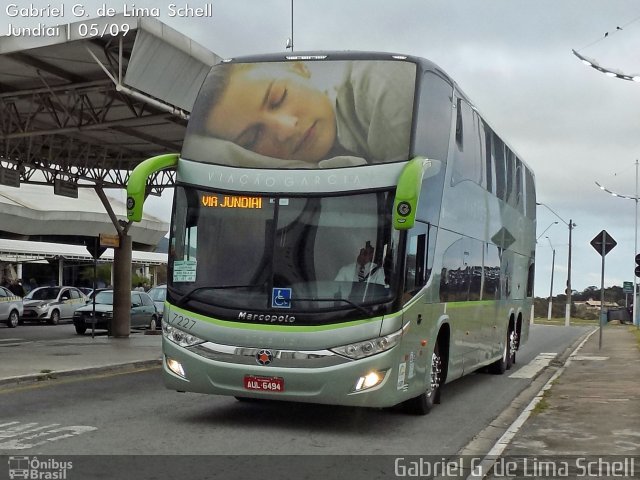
{"x":483,"y":443}
{"x":43,"y":376}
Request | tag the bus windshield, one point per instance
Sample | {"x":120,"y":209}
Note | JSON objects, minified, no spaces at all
{"x":311,"y":254}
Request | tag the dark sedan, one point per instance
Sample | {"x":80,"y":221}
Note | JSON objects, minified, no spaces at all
{"x":143,"y":312}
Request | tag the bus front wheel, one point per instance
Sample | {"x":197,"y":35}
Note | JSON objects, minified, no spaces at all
{"x":423,"y":403}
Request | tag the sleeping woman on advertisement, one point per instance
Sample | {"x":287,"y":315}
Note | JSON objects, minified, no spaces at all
{"x":344,"y":113}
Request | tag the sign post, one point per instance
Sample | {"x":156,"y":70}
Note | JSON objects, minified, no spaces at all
{"x":627,"y":288}
{"x":603,"y":244}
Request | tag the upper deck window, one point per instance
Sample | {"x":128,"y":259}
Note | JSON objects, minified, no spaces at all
{"x":303,"y":114}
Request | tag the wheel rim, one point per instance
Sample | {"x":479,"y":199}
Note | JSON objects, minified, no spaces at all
{"x":153,"y":325}
{"x":55,"y":317}
{"x":513,"y":343}
{"x":436,"y":372}
{"x":13,"y":319}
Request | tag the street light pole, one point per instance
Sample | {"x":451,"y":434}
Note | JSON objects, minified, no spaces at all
{"x":567,"y":313}
{"x":545,"y":230}
{"x":635,"y":248}
{"x":571,"y":225}
{"x":635,"y":252}
{"x":553,"y":264}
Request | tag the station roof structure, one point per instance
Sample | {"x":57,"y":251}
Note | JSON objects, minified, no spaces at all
{"x":28,"y":213}
{"x":25,"y":251}
{"x":87,"y":105}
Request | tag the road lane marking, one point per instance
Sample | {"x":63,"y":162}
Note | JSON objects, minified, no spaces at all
{"x":13,"y":342}
{"x":21,"y":436}
{"x":22,"y":429}
{"x":531,"y":369}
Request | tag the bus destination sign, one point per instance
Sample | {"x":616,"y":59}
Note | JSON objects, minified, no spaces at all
{"x":230,"y":201}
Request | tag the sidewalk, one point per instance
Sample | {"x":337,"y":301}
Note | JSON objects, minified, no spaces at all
{"x":584,"y":422}
{"x":593,"y":407}
{"x":39,"y":360}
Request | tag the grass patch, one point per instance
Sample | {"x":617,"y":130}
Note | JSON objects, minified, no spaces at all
{"x":46,"y":375}
{"x":543,"y":404}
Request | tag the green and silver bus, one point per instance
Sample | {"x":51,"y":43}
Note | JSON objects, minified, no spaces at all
{"x":347,"y":229}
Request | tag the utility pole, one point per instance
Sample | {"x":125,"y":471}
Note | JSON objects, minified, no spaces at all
{"x":553,"y":264}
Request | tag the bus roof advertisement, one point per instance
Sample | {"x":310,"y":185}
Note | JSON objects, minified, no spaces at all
{"x":303,"y":114}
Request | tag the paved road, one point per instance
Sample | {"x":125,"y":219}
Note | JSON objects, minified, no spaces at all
{"x":134,"y":414}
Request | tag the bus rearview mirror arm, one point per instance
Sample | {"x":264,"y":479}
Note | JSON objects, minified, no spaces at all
{"x":137,"y":184}
{"x":408,"y":190}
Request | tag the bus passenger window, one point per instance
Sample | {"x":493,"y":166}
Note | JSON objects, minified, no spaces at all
{"x":466,"y":157}
{"x":491,"y":285}
{"x":530,"y":195}
{"x":531,"y":279}
{"x":497,"y":154}
{"x":420,"y":246}
{"x":433,"y":120}
{"x":519,"y":192}
{"x":488,"y":160}
{"x":510,"y":193}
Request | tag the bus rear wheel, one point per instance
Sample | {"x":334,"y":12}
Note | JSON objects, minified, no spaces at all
{"x":504,"y":363}
{"x":423,"y":403}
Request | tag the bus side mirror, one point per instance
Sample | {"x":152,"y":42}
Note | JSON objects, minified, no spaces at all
{"x":137,"y":184}
{"x":408,"y":193}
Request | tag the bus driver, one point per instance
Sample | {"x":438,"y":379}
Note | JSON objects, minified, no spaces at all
{"x":363,"y":270}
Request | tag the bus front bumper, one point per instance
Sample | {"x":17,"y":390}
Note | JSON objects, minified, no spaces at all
{"x":344,"y":383}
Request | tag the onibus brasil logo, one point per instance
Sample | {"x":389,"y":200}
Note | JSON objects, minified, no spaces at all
{"x":33,"y":468}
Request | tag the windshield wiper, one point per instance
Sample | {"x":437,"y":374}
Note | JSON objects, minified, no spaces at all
{"x":182,"y":300}
{"x":353,"y":304}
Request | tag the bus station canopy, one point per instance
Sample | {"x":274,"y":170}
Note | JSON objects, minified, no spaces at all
{"x":18,"y":251}
{"x":85,"y":106}
{"x":28,"y":213}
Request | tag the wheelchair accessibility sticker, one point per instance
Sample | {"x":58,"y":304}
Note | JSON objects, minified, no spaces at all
{"x":281,"y":298}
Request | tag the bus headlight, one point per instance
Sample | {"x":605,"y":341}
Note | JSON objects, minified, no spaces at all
{"x":179,"y":337}
{"x":175,"y":366}
{"x":370,"y":380}
{"x":370,"y":347}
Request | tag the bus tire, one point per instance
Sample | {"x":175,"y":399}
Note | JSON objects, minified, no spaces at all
{"x":423,"y":403}
{"x":504,"y":363}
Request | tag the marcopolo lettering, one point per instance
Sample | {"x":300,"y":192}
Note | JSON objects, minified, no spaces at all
{"x":261,"y":317}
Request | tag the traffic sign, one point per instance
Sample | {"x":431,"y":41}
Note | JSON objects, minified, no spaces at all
{"x":108,"y":240}
{"x":627,"y":287}
{"x":603,"y":243}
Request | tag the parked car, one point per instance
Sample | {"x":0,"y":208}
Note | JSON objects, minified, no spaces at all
{"x":143,"y":312}
{"x":52,"y":304}
{"x":10,"y":307}
{"x":159,"y":294}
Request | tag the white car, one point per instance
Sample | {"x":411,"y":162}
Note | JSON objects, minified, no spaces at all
{"x":10,"y":307}
{"x":51,"y":304}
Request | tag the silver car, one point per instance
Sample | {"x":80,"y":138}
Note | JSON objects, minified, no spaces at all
{"x":10,"y":307}
{"x":159,"y":295}
{"x":52,"y":304}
